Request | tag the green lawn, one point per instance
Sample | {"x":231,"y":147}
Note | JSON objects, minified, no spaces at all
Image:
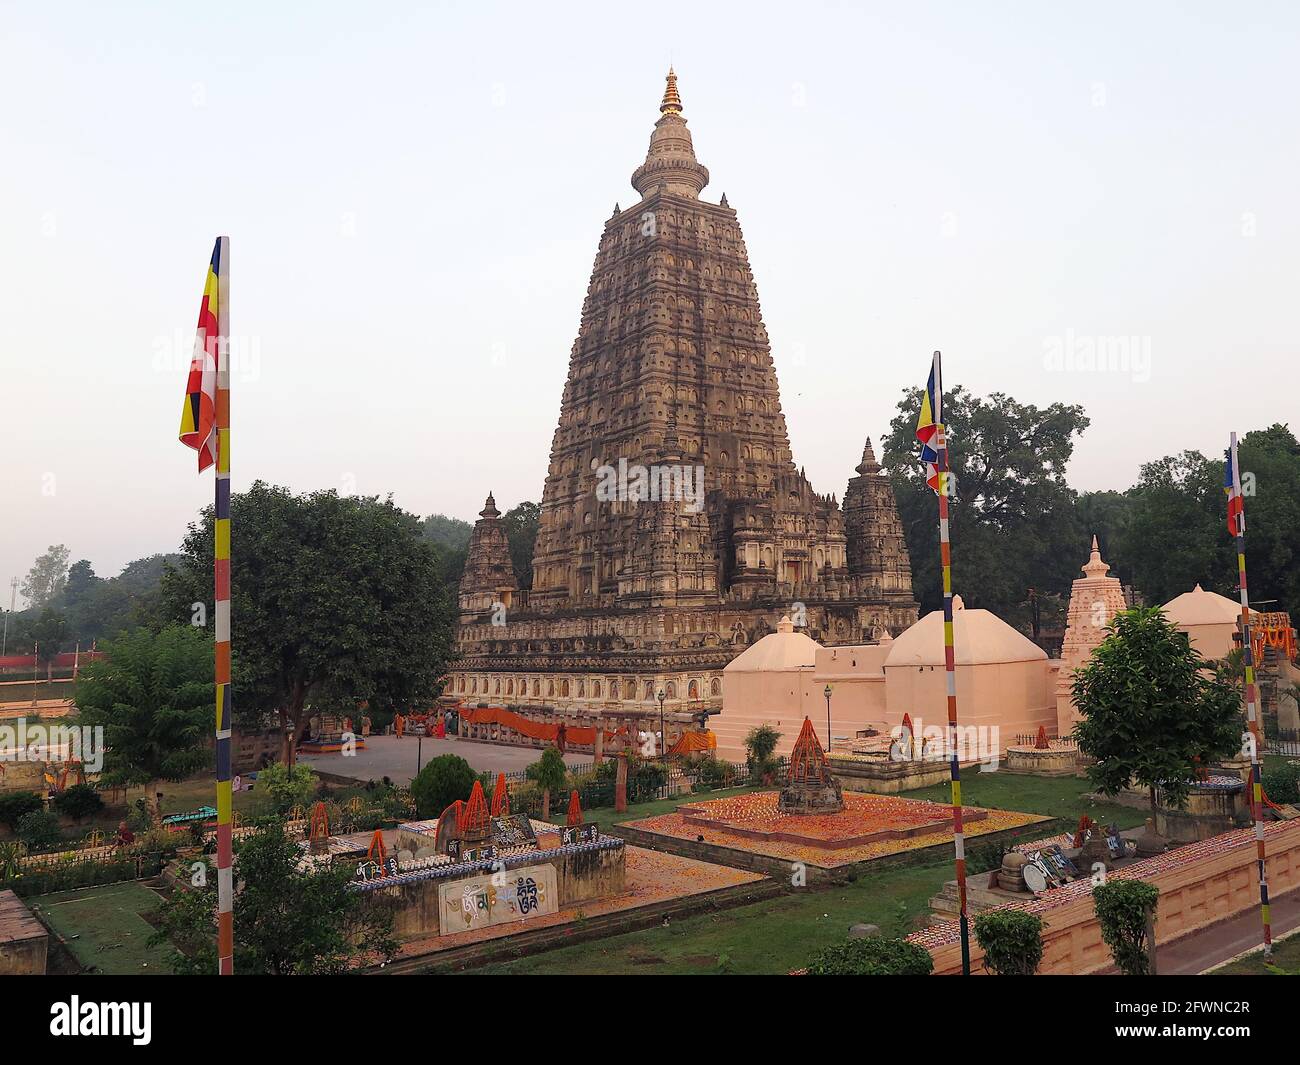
{"x":1054,"y":796}
{"x":773,"y":936}
{"x":1286,"y":958}
{"x":104,"y":929}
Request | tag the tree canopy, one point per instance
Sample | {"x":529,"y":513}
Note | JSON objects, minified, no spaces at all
{"x":1151,"y":711}
{"x":1014,"y":523}
{"x":337,"y":601}
{"x":44,"y":581}
{"x":154,"y":698}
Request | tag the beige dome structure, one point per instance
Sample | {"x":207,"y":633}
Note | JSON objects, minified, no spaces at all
{"x":1003,"y":680}
{"x":770,"y":683}
{"x":1002,"y":676}
{"x":1208,"y":618}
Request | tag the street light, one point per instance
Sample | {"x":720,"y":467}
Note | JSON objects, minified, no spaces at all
{"x":827,"y":693}
{"x":661,"y":695}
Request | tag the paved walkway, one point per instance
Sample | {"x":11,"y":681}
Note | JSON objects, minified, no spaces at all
{"x":387,"y":756}
{"x":1223,"y":942}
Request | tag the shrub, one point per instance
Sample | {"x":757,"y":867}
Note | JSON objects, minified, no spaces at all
{"x":1282,"y":783}
{"x":77,"y":802}
{"x":1012,"y":941}
{"x":645,"y":778}
{"x":874,"y":956}
{"x":1122,"y":907}
{"x":440,"y":783}
{"x":711,"y":773}
{"x":288,"y":785}
{"x":17,"y":803}
{"x":760,"y":745}
{"x":39,"y":830}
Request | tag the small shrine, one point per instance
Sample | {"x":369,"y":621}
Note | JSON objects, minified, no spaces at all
{"x":811,"y":787}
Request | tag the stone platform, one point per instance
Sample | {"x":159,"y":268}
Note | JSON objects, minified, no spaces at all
{"x":874,"y":830}
{"x":864,"y":819}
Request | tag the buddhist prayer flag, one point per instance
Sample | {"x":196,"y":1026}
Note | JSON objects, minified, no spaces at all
{"x":928,"y":424}
{"x":205,"y":426}
{"x":199,"y":411}
{"x":1231,"y":488}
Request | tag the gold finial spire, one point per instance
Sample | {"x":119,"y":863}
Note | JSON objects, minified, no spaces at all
{"x":672,"y":102}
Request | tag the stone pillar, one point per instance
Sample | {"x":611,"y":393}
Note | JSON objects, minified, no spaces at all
{"x":620,"y":784}
{"x":598,"y":745}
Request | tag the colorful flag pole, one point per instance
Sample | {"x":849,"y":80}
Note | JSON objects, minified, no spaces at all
{"x":1237,"y":527}
{"x":205,"y":426}
{"x":930,"y":431}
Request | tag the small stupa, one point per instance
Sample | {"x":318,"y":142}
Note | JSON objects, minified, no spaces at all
{"x":1095,"y":599}
{"x":811,"y":787}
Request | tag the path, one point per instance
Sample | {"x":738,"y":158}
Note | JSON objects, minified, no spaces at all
{"x":1224,"y":941}
{"x":387,"y":756}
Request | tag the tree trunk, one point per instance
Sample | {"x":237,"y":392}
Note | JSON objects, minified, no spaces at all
{"x":546,"y":804}
{"x":1151,"y":795}
{"x":151,"y":803}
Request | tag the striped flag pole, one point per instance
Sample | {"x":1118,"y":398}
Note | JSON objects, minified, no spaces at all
{"x":1238,"y":521}
{"x":205,"y":427}
{"x":950,"y":670}
{"x":221,"y":587}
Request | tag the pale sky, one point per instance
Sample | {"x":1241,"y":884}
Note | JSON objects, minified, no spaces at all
{"x":414,"y":195}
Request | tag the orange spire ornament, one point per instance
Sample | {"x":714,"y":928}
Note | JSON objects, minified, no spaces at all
{"x":500,"y":797}
{"x":473,"y":820}
{"x":1041,"y":744}
{"x":672,"y":101}
{"x":575,"y":811}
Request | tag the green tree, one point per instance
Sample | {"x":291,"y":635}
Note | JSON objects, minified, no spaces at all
{"x":760,"y":744}
{"x":153,"y":697}
{"x":287,"y":785}
{"x":440,"y":782}
{"x":1012,"y":941}
{"x":1151,"y":712}
{"x":49,"y":632}
{"x":288,"y":922}
{"x":521,"y":533}
{"x":39,"y":830}
{"x":550,"y":774}
{"x":1014,"y":524}
{"x":44,"y":581}
{"x":338,"y":600}
{"x":80,"y":584}
{"x":1123,"y":908}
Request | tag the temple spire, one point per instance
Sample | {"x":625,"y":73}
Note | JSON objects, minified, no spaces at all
{"x":672,"y":101}
{"x":670,"y":164}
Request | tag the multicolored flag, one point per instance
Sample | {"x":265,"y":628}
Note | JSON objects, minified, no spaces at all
{"x":929,"y":422}
{"x":1236,"y":506}
{"x":199,"y":412}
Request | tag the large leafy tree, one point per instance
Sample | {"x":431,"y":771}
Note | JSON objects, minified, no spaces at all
{"x":1175,"y":536}
{"x":45,"y":579}
{"x":1014,"y":526}
{"x":153,"y":696}
{"x":1152,"y":712}
{"x":521,"y":532}
{"x":288,"y":921}
{"x":336,"y":599}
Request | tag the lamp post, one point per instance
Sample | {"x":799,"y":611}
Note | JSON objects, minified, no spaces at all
{"x":827,"y":693}
{"x":661,"y":695}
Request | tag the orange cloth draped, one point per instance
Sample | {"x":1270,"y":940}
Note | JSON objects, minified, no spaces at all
{"x":534,"y":730}
{"x":694,"y":742}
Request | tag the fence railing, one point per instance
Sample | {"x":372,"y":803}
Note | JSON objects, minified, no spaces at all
{"x":1283,"y":741}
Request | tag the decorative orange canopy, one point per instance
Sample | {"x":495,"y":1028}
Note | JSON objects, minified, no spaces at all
{"x":808,"y":760}
{"x":473,"y":816}
{"x":500,"y":797}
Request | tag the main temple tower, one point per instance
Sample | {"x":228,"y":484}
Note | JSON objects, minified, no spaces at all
{"x":675,"y":526}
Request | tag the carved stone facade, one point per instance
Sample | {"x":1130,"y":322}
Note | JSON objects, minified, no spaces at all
{"x":675,"y":527}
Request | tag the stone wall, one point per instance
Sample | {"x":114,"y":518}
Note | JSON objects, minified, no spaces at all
{"x":581,"y":873}
{"x":1200,"y":885}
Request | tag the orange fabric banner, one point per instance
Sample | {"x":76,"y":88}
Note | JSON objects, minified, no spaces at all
{"x":534,"y":730}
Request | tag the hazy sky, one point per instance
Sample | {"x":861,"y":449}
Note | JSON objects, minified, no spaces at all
{"x":414,"y":200}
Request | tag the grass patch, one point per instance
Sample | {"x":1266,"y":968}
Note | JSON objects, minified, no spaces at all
{"x":1054,"y":796}
{"x":1284,"y":962}
{"x":105,"y":927}
{"x":773,"y":936}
